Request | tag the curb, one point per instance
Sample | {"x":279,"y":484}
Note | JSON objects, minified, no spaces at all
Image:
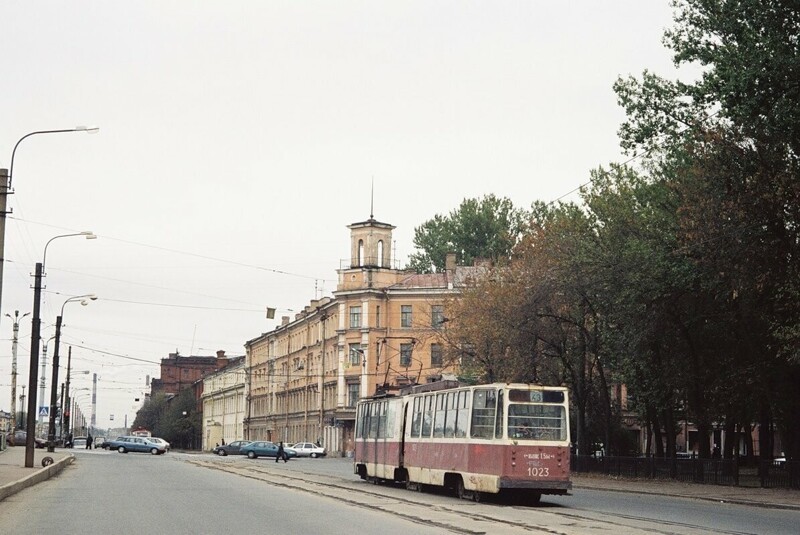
{"x":36,"y":477}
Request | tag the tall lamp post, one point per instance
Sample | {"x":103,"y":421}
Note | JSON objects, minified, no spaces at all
{"x":6,"y":175}
{"x":51,"y":428}
{"x":16,"y":319}
{"x":35,"y":336}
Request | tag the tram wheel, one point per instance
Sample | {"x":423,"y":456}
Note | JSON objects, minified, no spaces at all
{"x":461,"y":492}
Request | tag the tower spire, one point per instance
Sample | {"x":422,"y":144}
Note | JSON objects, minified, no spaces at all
{"x":372,"y":199}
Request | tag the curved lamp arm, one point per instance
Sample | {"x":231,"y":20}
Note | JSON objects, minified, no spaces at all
{"x":87,"y":129}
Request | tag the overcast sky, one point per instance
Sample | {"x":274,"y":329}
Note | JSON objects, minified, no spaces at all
{"x":239,"y":139}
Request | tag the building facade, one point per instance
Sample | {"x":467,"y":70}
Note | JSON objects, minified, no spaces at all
{"x":380,"y":331}
{"x":223,"y":404}
{"x":179,"y":372}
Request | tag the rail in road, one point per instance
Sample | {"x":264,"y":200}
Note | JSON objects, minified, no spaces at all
{"x":456,"y":516}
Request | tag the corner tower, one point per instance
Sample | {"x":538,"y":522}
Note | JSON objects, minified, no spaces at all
{"x":370,"y":244}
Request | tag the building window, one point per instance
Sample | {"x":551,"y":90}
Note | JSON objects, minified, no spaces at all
{"x":355,"y":354}
{"x":360,"y":252}
{"x":437,"y":316}
{"x":380,"y":254}
{"x":405,"y":316}
{"x":355,"y":317}
{"x":405,"y":354}
{"x":353,"y":391}
{"x":436,"y":354}
{"x":378,"y":317}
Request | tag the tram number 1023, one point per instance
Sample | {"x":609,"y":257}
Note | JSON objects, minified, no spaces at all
{"x":538,"y":471}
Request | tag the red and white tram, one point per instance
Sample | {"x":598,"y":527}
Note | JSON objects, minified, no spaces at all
{"x":493,"y":438}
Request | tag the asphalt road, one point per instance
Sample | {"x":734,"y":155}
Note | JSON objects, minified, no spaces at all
{"x":106,"y":492}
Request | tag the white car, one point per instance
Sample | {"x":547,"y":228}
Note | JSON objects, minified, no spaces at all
{"x":159,"y":441}
{"x":308,"y":449}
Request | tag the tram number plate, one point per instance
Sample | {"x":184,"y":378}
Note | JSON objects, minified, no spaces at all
{"x":534,"y":471}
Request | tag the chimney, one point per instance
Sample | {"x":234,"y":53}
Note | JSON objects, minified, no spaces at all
{"x":450,"y":262}
{"x":284,"y":320}
{"x":221,"y":354}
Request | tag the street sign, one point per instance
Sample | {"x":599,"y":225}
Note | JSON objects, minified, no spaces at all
{"x":44,"y":411}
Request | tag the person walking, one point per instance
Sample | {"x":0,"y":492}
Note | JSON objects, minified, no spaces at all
{"x":89,"y":440}
{"x":281,"y":454}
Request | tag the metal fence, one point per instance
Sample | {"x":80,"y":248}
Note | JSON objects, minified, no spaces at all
{"x":768,"y":474}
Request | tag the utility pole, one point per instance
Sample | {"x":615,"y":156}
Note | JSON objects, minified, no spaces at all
{"x":94,"y":400}
{"x":65,"y":411}
{"x":33,"y":372}
{"x":4,"y":191}
{"x":16,"y":319}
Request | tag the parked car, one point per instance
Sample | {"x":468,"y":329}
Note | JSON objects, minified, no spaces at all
{"x":136,"y":444}
{"x":265,"y":449}
{"x":160,"y":441}
{"x":20,"y":437}
{"x":308,"y":449}
{"x":98,"y":442}
{"x":79,"y":442}
{"x":234,"y":448}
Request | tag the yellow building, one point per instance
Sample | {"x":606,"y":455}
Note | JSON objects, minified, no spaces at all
{"x":380,"y":331}
{"x":223,"y":402}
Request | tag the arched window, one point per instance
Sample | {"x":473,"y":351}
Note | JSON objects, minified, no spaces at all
{"x":380,"y":253}
{"x":360,"y":252}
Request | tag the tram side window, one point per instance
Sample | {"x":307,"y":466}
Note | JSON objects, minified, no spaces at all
{"x":391,"y":411}
{"x":360,"y":422}
{"x":450,"y":418}
{"x":498,"y":422}
{"x":484,"y":404}
{"x":427,"y":417}
{"x":374,"y":420}
{"x":463,"y":414}
{"x":441,"y":410}
{"x":416,"y":418}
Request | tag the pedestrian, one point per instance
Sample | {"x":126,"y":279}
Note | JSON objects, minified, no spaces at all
{"x":281,"y":454}
{"x":89,"y":440}
{"x":68,"y":441}
{"x":223,"y":441}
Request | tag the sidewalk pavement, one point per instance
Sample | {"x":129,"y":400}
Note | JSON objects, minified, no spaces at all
{"x":755,"y":496}
{"x":15,"y":476}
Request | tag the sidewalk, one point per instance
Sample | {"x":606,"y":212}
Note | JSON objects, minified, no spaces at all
{"x":14,"y":476}
{"x":755,"y":496}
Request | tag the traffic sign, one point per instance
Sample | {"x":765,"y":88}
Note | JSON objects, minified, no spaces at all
{"x":44,"y":411}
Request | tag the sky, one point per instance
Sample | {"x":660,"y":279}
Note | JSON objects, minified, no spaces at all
{"x":239,"y":139}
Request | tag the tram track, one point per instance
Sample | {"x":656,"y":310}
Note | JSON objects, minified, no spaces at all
{"x":469,"y":518}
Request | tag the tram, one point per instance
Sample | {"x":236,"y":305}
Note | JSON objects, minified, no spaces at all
{"x":510,"y":439}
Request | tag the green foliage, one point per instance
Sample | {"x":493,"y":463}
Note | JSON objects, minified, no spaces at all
{"x":680,"y":281}
{"x":486,"y":228}
{"x":174,"y":418}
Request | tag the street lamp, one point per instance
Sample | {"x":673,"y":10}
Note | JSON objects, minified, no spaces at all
{"x":16,"y":319}
{"x":35,"y":335}
{"x":6,"y":176}
{"x":43,"y":378}
{"x":51,"y":428}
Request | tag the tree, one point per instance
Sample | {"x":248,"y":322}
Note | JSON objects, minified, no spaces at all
{"x":728,"y":143}
{"x":487,"y":228}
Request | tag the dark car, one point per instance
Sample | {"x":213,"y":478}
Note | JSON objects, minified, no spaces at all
{"x":234,"y":448}
{"x":19,"y":438}
{"x":264,"y":449}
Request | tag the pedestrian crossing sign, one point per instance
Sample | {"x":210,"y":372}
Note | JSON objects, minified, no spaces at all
{"x":44,"y":411}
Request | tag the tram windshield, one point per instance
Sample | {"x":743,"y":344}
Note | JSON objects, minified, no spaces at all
{"x":536,"y":419}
